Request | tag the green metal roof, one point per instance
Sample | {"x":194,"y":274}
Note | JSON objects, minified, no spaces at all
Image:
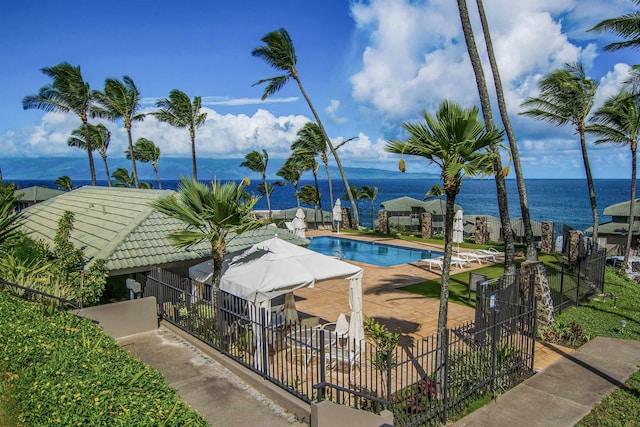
{"x":309,"y":213}
{"x":119,"y":226}
{"x":616,"y":228}
{"x":622,"y":209}
{"x":406,"y":204}
{"x":36,"y":194}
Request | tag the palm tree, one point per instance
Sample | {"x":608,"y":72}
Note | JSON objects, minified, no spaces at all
{"x":10,"y":220}
{"x":532,"y":252}
{"x":618,"y":122}
{"x":280,"y":54}
{"x":258,"y":163}
{"x":457,"y":142}
{"x":100,"y":138}
{"x":64,"y":183}
{"x":305,"y":159}
{"x":121,"y":100}
{"x":626,"y":26}
{"x":266,"y":188}
{"x":216,"y":214}
{"x":310,"y":138}
{"x":291,"y":171}
{"x":370,"y":193}
{"x":122,"y":177}
{"x":435,"y":192}
{"x":309,"y":195}
{"x":566,"y":96}
{"x":146,"y":151}
{"x":180,"y":112}
{"x":67,"y":93}
{"x":498,"y":171}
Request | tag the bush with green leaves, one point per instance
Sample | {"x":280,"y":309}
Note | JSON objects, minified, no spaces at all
{"x":63,"y":370}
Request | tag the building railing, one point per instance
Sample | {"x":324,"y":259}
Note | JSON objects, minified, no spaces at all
{"x":422,"y":380}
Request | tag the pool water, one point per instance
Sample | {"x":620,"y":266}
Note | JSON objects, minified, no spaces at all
{"x":369,"y":252}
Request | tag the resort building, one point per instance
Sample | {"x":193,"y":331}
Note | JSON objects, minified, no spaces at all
{"x":613,"y":234}
{"x":29,"y":196}
{"x":406,"y":212}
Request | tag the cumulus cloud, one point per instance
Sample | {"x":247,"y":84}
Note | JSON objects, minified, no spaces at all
{"x":332,"y":112}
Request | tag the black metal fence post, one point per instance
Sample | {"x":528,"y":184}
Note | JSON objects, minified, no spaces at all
{"x":578,"y":284}
{"x":160,"y":291}
{"x":323,"y":366}
{"x":494,"y":338}
{"x":389,"y":363}
{"x":561,"y":287}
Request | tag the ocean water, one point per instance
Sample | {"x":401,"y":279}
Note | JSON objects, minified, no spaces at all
{"x":558,"y":200}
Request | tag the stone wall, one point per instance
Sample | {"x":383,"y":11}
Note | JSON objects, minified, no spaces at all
{"x":481,"y":234}
{"x":346,"y":218}
{"x":546,"y":244}
{"x":383,"y":221}
{"x":534,"y":274}
{"x":426,"y":225}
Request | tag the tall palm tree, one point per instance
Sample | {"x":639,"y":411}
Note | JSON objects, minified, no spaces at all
{"x":215,"y":214}
{"x":68,"y":92}
{"x":305,"y":159}
{"x":279,"y":52}
{"x":291,"y":171}
{"x":566,"y":97}
{"x":498,"y":171}
{"x":532,"y":252}
{"x":458,"y":143}
{"x":310,"y":138}
{"x":258,"y":162}
{"x":618,"y":122}
{"x":626,"y":26}
{"x":180,"y":112}
{"x":370,"y":193}
{"x":100,"y":139}
{"x":146,"y":151}
{"x":120,"y":100}
{"x":122,"y":178}
{"x":64,"y":183}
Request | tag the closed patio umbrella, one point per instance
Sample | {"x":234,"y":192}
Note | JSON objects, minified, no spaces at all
{"x":290,"y":311}
{"x":337,"y":213}
{"x":458,"y":228}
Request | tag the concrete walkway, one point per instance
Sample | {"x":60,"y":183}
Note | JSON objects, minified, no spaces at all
{"x":566,"y":391}
{"x":214,"y":391}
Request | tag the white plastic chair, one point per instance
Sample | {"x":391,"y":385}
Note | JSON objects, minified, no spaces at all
{"x":339,"y":330}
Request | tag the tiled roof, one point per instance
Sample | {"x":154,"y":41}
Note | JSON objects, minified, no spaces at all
{"x":117,"y":225}
{"x":36,"y":194}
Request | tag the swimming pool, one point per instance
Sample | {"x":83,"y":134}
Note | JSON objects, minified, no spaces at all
{"x":369,"y":252}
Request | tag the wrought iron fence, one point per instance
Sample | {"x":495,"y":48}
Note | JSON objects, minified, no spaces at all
{"x":35,"y":295}
{"x":422,"y":380}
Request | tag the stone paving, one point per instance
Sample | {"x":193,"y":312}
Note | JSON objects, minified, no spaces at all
{"x":412,"y":315}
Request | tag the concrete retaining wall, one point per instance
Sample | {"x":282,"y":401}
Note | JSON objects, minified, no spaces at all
{"x":120,"y":319}
{"x":329,"y":414}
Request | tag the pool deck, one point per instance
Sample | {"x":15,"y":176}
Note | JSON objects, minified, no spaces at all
{"x":412,"y":315}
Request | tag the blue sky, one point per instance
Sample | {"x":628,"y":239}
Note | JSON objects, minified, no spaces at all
{"x":367,"y":67}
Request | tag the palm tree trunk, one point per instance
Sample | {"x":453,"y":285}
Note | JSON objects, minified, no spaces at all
{"x":592,"y":191}
{"x":192,"y":134}
{"x":532,"y":253}
{"x":106,"y":169}
{"x":297,"y":197}
{"x":155,"y":168}
{"x":87,"y":137}
{"x":485,"y":103}
{"x":632,"y":207}
{"x":134,"y":170}
{"x":266,"y":192}
{"x":315,"y":179}
{"x":347,"y":189}
{"x":326,"y":166}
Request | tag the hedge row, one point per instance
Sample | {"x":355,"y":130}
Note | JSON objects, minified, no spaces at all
{"x":66,"y":371}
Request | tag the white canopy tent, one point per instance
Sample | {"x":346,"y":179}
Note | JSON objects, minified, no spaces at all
{"x":275,"y":267}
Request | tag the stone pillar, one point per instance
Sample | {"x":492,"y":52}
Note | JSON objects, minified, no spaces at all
{"x":546,"y":244}
{"x":573,"y":249}
{"x":383,"y":221}
{"x":534,"y":274}
{"x":426,"y":226}
{"x":346,"y":218}
{"x":481,"y":234}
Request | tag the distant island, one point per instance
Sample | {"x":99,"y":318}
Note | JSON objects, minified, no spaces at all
{"x":50,"y":168}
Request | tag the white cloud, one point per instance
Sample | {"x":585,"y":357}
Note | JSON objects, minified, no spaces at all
{"x":332,"y":112}
{"x":611,"y":83}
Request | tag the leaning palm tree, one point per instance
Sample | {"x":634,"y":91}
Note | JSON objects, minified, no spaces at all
{"x":309,"y":195}
{"x":566,"y":97}
{"x":310,"y":138}
{"x":64,"y":183}
{"x":370,"y":193}
{"x":120,"y":100}
{"x":532,"y":252}
{"x":626,"y":26}
{"x":180,"y":112}
{"x":146,"y":151}
{"x":458,"y":143}
{"x":618,"y":122}
{"x":305,"y":159}
{"x":257,"y":162}
{"x":279,"y":52}
{"x":498,"y":171}
{"x":100,"y":139}
{"x":67,"y":93}
{"x":291,"y":171}
{"x":215,"y":214}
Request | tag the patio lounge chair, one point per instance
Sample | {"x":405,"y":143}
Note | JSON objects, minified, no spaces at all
{"x":490,"y":253}
{"x":472,"y":256}
{"x":455,"y":261}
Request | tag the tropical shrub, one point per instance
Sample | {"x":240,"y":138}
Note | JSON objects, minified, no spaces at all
{"x":62,"y":370}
